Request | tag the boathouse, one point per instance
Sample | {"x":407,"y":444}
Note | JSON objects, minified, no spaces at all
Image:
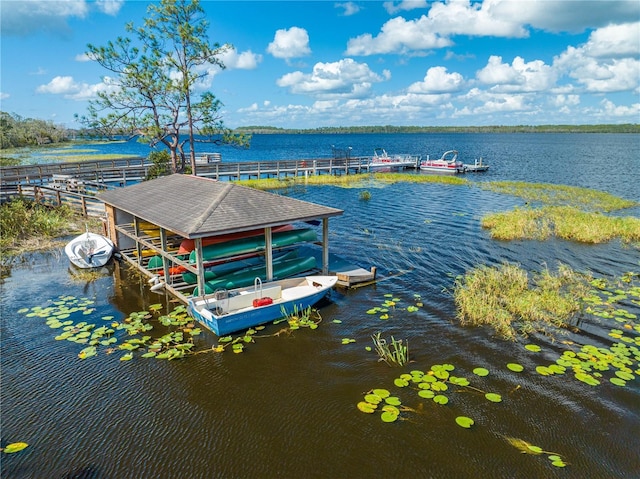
{"x":149,"y":221}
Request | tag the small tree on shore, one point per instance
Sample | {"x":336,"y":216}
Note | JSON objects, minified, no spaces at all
{"x":154,"y":92}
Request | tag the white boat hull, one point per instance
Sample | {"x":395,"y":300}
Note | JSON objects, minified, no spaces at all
{"x":448,"y":164}
{"x":236,"y":312}
{"x":89,"y":250}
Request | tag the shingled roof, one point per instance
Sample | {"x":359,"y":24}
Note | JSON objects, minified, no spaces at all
{"x":194,"y":206}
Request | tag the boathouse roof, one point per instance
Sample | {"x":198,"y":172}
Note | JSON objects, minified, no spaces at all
{"x":194,"y":206}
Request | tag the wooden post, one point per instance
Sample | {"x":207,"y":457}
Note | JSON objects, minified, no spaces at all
{"x":136,"y":230}
{"x":269,"y":252}
{"x":200,"y":267}
{"x":325,"y":246}
{"x":165,"y":261}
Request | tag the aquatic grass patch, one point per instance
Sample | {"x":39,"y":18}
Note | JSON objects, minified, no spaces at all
{"x":565,"y":222}
{"x":521,"y":223}
{"x":21,"y":219}
{"x":394,"y":353}
{"x":560,"y":195}
{"x":361,"y":180}
{"x":572,"y":224}
{"x":91,"y":157}
{"x":514,"y":304}
{"x":391,"y":178}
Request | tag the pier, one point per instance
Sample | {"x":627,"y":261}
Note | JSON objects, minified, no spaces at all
{"x":76,"y":183}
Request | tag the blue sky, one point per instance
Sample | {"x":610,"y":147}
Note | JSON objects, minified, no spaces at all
{"x":308,"y":64}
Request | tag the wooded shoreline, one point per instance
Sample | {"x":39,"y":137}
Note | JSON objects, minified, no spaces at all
{"x":622,"y":128}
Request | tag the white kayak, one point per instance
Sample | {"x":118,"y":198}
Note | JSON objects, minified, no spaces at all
{"x":89,"y":250}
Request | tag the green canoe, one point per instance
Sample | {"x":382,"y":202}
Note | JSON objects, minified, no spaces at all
{"x":246,"y":277}
{"x":253,"y":244}
{"x":224,"y":269}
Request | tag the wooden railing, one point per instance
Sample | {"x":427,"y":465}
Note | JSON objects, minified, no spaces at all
{"x":77,"y":183}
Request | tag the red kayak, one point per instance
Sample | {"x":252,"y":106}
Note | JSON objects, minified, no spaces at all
{"x":188,"y":245}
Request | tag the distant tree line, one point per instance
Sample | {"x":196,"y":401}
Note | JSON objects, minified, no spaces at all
{"x":16,"y":131}
{"x":623,"y":128}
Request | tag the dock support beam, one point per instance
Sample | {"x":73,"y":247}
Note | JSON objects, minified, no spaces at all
{"x":325,"y":246}
{"x":200,"y":267}
{"x":269,"y":252}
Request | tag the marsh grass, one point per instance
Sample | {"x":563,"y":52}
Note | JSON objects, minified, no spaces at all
{"x":565,"y":222}
{"x":514,"y":304}
{"x":93,"y":157}
{"x":350,"y":181}
{"x":561,"y":195}
{"x":395,"y":353}
{"x":29,"y":226}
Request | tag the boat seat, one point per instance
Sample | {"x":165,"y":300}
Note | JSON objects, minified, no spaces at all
{"x":245,"y":299}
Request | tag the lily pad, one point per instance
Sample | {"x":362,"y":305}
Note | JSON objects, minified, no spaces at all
{"x":464,"y":421}
{"x":15,"y":447}
{"x":493,"y":397}
{"x":367,"y":407}
{"x":618,"y":381}
{"x":533,"y":348}
{"x":481,"y":372}
{"x":389,"y":416}
{"x":393,"y":401}
{"x":383,"y":393}
{"x":515,"y":367}
{"x":440,"y":399}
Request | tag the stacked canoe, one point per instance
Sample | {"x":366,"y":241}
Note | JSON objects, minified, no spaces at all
{"x":234,"y":261}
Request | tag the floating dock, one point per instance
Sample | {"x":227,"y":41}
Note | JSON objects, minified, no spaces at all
{"x":349,"y":275}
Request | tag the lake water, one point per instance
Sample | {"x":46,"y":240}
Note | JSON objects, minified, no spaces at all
{"x":287,"y":406}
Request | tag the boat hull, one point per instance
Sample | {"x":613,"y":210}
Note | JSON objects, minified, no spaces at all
{"x":448,"y":164}
{"x":434,"y":167}
{"x":297,"y":294}
{"x":89,"y":250}
{"x":188,"y":245}
{"x":245,"y":277}
{"x":254,"y":244}
{"x":223,"y":269}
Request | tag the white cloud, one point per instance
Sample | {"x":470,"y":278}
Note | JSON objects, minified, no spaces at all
{"x":612,"y":110}
{"x":462,"y":17}
{"x":69,"y":88}
{"x":520,"y":76}
{"x":29,"y":16}
{"x":563,"y":15}
{"x":479,"y":102}
{"x":565,"y":100}
{"x":437,"y":80}
{"x":290,"y":43}
{"x":250,"y":108}
{"x":349,"y":8}
{"x":83,"y":57}
{"x":614,"y":41}
{"x":608,"y":62}
{"x":4,"y":96}
{"x":431,"y":31}
{"x":394,"y":7}
{"x":24,"y":17}
{"x":345,"y":78}
{"x":110,"y":7}
{"x":398,"y":36}
{"x":246,"y":60}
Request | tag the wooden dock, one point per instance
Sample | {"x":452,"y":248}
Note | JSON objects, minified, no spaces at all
{"x":76,"y":183}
